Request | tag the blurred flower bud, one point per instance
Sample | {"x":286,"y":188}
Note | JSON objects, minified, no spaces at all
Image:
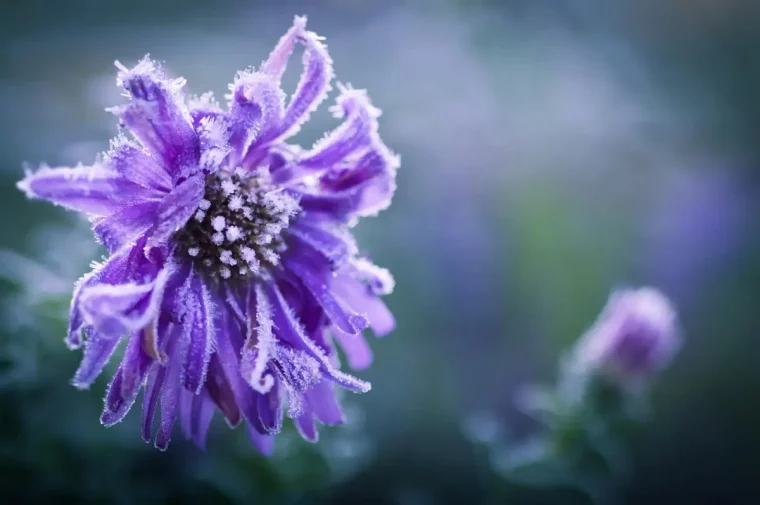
{"x":635,"y":335}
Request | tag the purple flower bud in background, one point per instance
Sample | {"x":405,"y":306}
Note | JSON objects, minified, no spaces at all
{"x":635,"y":335}
{"x":232,"y":271}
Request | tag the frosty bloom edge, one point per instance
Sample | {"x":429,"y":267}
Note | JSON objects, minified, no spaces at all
{"x":232,"y":271}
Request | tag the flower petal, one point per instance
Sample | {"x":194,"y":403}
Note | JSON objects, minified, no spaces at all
{"x":288,"y":329}
{"x":97,"y":353}
{"x":176,"y":208}
{"x":306,"y":426}
{"x":335,"y":245}
{"x":220,"y":392}
{"x":126,"y":225}
{"x":126,"y":383}
{"x":256,"y":110}
{"x":358,"y":352}
{"x":259,"y":347}
{"x":136,"y":164}
{"x":202,"y":415}
{"x":91,"y":189}
{"x":170,"y":390}
{"x":361,"y":299}
{"x":314,"y":83}
{"x":270,"y":410}
{"x":229,"y":345}
{"x":318,"y":285}
{"x":117,"y":309}
{"x":324,"y":404}
{"x":358,"y":132}
{"x":153,"y":385}
{"x":158,"y":117}
{"x":198,"y":325}
{"x":263,"y":443}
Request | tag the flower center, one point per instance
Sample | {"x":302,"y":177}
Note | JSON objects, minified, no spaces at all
{"x":237,"y":229}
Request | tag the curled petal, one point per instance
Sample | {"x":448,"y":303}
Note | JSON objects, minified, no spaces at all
{"x":256,"y":110}
{"x":119,"y":267}
{"x":358,"y":132}
{"x":278,"y":59}
{"x":313,"y":86}
{"x":136,"y":164}
{"x":259,"y":347}
{"x":92,"y":189}
{"x":117,"y":309}
{"x":176,"y":208}
{"x":158,"y":117}
{"x":203,"y":106}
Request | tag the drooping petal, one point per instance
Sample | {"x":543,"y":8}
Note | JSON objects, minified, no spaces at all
{"x":153,"y":385}
{"x":126,"y":225}
{"x":287,"y":328}
{"x":229,"y":345}
{"x":361,"y":299}
{"x":306,"y":426}
{"x":97,"y":353}
{"x":198,"y":324}
{"x":202,"y":415}
{"x":318,"y":284}
{"x":117,"y":309}
{"x":136,"y":164}
{"x":270,"y":410}
{"x":324,"y":405}
{"x":176,"y":208}
{"x":358,"y":352}
{"x":263,"y":443}
{"x":170,"y":389}
{"x":126,"y":383}
{"x":120,"y":266}
{"x":91,"y":189}
{"x":156,"y":114}
{"x":220,"y":391}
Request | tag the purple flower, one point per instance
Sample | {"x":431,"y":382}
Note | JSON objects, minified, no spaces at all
{"x":635,"y":335}
{"x":231,"y":269}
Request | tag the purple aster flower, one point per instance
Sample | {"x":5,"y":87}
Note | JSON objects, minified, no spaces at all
{"x":231,"y":269}
{"x":635,"y":335}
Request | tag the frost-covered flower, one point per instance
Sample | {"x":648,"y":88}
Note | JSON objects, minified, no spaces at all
{"x":231,"y":269}
{"x":635,"y":335}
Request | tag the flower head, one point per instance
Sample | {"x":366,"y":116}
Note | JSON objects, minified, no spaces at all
{"x":231,"y":270}
{"x":635,"y":335}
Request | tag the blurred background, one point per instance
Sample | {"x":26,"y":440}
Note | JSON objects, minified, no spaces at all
{"x":552,"y":150}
